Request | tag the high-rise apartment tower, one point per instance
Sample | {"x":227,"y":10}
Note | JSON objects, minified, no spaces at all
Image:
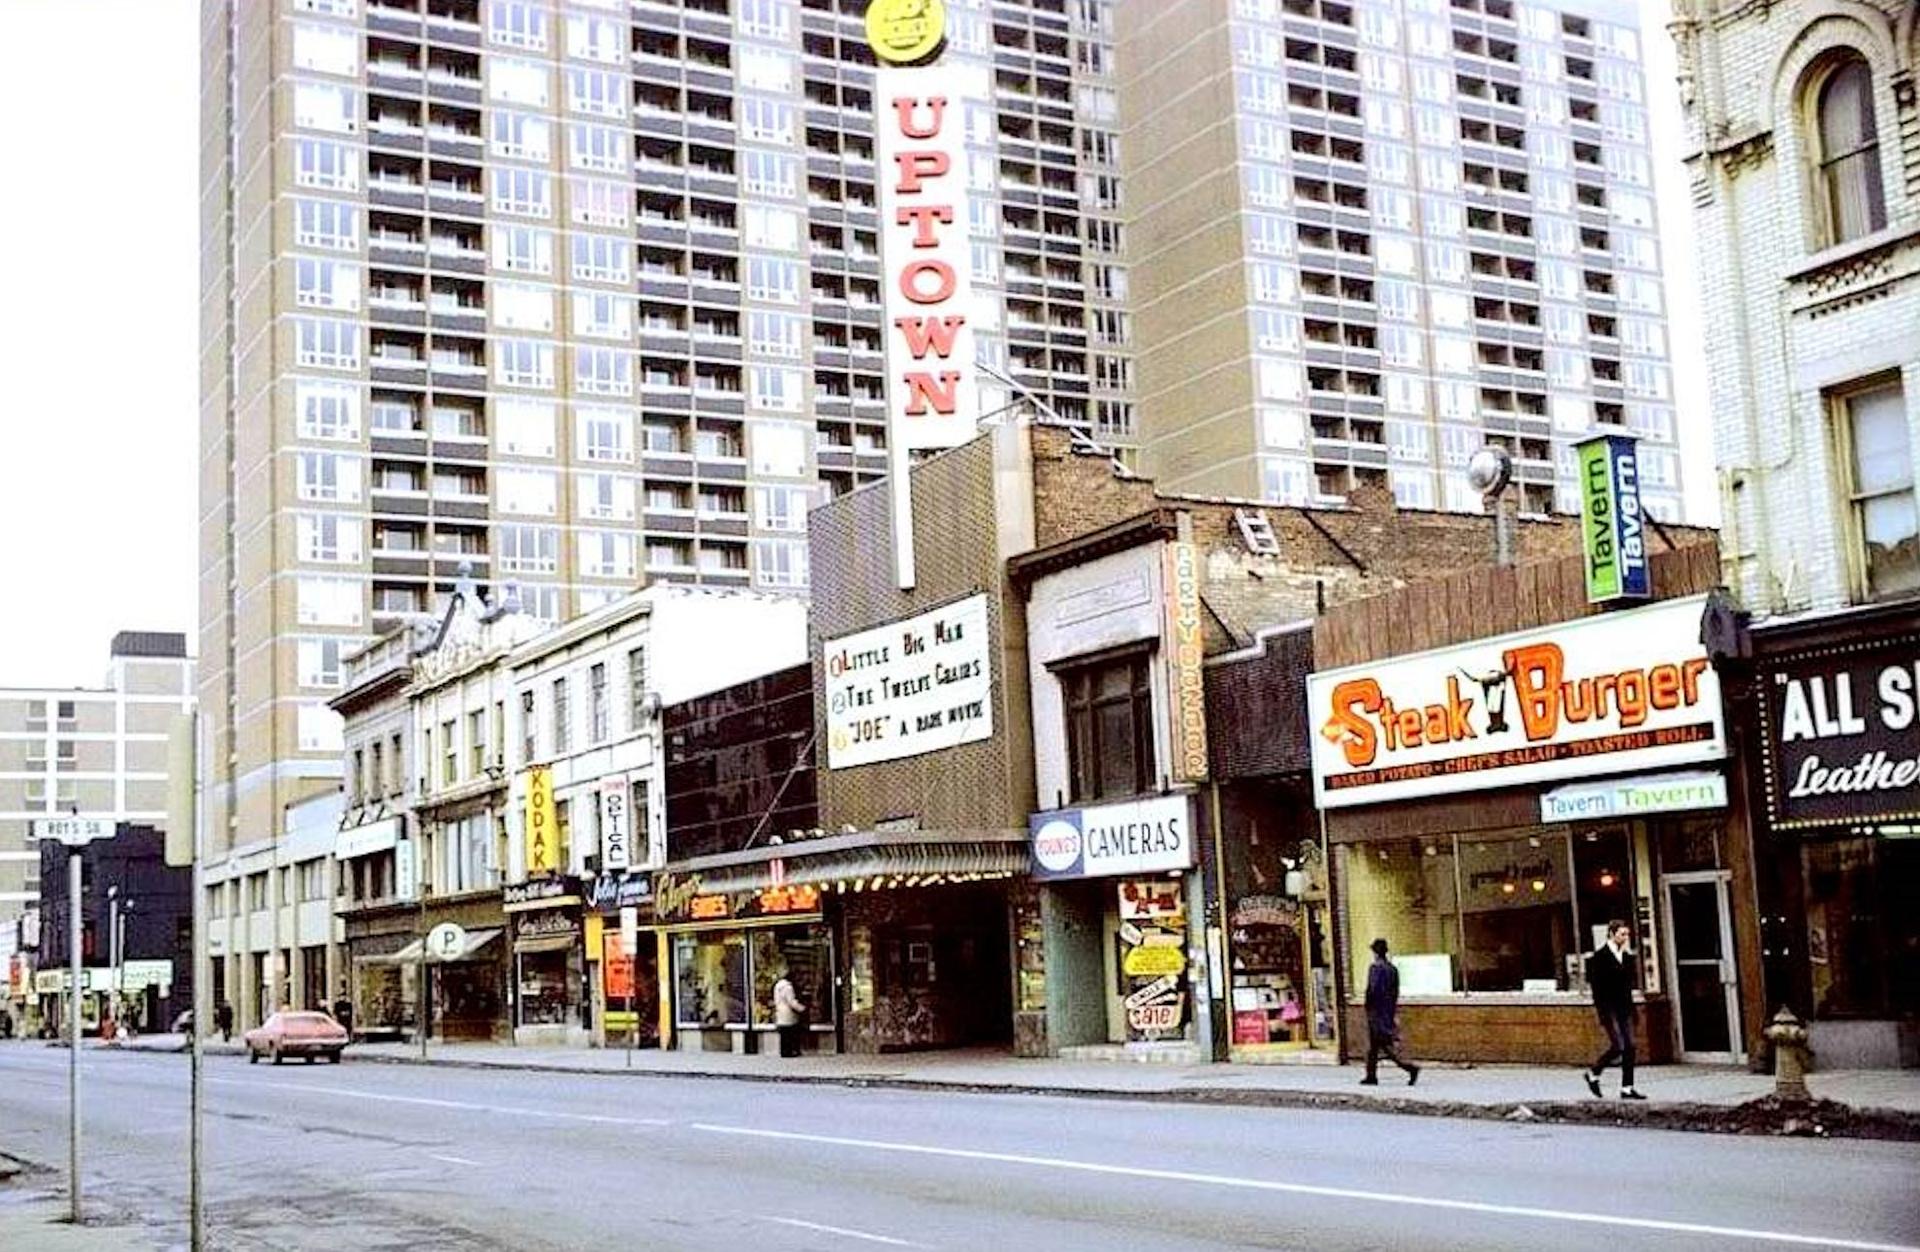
{"x":581,"y":294}
{"x":1367,"y":237}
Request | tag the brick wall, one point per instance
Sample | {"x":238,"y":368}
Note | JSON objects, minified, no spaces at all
{"x":1793,"y":319}
{"x":984,"y":785}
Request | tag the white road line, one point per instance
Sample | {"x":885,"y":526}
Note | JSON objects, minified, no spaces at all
{"x":1338,"y":1193}
{"x":843,"y":1231}
{"x":452,"y":1160}
{"x":505,"y":1110}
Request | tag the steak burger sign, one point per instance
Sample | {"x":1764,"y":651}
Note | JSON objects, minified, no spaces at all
{"x":1842,"y":736}
{"x":1620,"y":691}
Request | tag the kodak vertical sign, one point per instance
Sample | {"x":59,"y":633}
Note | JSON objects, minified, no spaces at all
{"x":920,"y":127}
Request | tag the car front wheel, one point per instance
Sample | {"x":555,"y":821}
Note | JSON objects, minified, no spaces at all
{"x":333,"y":1058}
{"x":253,"y":1057}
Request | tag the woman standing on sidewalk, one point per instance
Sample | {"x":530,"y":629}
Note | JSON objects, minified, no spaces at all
{"x":789,"y":1015}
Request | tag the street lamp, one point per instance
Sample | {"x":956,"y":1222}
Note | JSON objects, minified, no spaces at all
{"x":1489,"y":472}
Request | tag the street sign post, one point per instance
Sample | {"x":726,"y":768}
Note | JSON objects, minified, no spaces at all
{"x":76,"y":832}
{"x":629,"y":937}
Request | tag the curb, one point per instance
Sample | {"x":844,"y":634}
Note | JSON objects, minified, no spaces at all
{"x":1824,"y":1119}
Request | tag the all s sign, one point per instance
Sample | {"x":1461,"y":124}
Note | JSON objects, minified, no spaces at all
{"x":1598,"y":695}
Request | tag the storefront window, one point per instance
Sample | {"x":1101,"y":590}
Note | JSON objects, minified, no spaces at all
{"x":710,"y":979}
{"x":803,"y":954}
{"x":1863,"y":934}
{"x":543,"y":988}
{"x":1514,"y":912}
{"x":1403,"y":891}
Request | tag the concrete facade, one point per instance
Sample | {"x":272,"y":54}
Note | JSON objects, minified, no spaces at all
{"x":99,"y":751}
{"x":1368,"y":236}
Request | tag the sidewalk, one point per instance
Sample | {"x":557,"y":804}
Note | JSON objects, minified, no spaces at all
{"x":1875,"y":1103}
{"x":33,"y":1217}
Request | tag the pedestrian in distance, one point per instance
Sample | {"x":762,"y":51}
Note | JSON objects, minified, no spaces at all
{"x":1383,"y":1012}
{"x":789,"y":1015}
{"x":1612,"y":976}
{"x":223,"y":1021}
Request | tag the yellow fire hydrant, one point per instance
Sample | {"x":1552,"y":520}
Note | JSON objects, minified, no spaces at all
{"x":1791,"y":1055}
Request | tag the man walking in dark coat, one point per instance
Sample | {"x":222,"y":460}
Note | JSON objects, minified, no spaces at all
{"x":1612,"y":976}
{"x":1383,"y":1010}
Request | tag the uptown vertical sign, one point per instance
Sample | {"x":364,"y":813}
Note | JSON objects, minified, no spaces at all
{"x":926,"y":259}
{"x":1612,"y":523}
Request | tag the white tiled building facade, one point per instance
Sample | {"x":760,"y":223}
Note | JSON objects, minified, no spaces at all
{"x":1803,"y":140}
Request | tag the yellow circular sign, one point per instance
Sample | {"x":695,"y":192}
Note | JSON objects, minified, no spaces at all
{"x":903,"y":32}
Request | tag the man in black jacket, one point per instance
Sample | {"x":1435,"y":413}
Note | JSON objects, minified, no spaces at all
{"x":1612,"y":977}
{"x":1383,"y":1008}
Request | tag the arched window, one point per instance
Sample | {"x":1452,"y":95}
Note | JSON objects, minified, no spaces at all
{"x":1848,"y":154}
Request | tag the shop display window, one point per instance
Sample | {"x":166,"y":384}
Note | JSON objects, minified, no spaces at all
{"x":710,"y":979}
{"x":804,"y":954}
{"x":1863,"y":937}
{"x":544,"y":983}
{"x":1515,"y":911}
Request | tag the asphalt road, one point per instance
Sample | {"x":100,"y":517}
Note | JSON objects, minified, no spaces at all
{"x":367,"y":1156}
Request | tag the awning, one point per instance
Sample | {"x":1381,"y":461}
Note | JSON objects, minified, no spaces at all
{"x":410,"y":955}
{"x":866,"y":855}
{"x":547,"y":943}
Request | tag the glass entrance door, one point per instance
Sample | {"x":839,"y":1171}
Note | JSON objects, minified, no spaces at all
{"x":1700,"y":966}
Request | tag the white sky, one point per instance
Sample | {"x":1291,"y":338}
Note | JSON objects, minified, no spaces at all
{"x":99,"y":400}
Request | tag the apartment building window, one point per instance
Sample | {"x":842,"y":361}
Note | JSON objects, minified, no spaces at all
{"x":450,"y":754}
{"x":328,"y":538}
{"x":256,"y":892}
{"x":326,"y":106}
{"x":606,"y":435}
{"x":528,"y":549}
{"x":596,"y":91}
{"x":595,"y":202}
{"x":595,"y":39}
{"x":1847,"y":153}
{"x":561,"y":718}
{"x":477,"y":742}
{"x":1877,"y":459}
{"x":322,"y":164}
{"x":769,"y":174}
{"x":326,"y":224}
{"x":528,"y":193}
{"x":523,"y":363}
{"x":606,"y":553}
{"x":775,"y":334}
{"x":777,"y":282}
{"x":521,"y":137}
{"x":376,"y":784}
{"x":517,"y":24}
{"x":1109,"y":711}
{"x":327,"y":344}
{"x":769,"y":121}
{"x":319,"y":662}
{"x":329,"y":476}
{"x":602,"y":371}
{"x":523,"y":249}
{"x":775,"y":389}
{"x":598,"y":148}
{"x":605,"y":497}
{"x":529,"y":730}
{"x":327,"y":410}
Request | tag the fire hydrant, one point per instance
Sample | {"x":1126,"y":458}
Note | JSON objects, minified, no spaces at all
{"x":1791,"y":1056}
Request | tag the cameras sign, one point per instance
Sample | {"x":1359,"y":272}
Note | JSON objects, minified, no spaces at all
{"x":1141,"y":837}
{"x":1623,"y":691}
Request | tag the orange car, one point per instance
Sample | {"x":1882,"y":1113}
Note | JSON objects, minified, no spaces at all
{"x":296,"y":1034}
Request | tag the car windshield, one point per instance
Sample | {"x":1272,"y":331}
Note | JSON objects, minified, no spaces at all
{"x":306,"y":1019}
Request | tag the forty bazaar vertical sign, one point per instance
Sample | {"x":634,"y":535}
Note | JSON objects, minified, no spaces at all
{"x":1185,"y":678}
{"x":1612,"y":524}
{"x":915,"y":686}
{"x":926,"y":259}
{"x":542,"y":824}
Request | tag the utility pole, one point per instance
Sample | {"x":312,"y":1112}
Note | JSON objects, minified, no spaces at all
{"x":73,"y":1027}
{"x":186,"y":845}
